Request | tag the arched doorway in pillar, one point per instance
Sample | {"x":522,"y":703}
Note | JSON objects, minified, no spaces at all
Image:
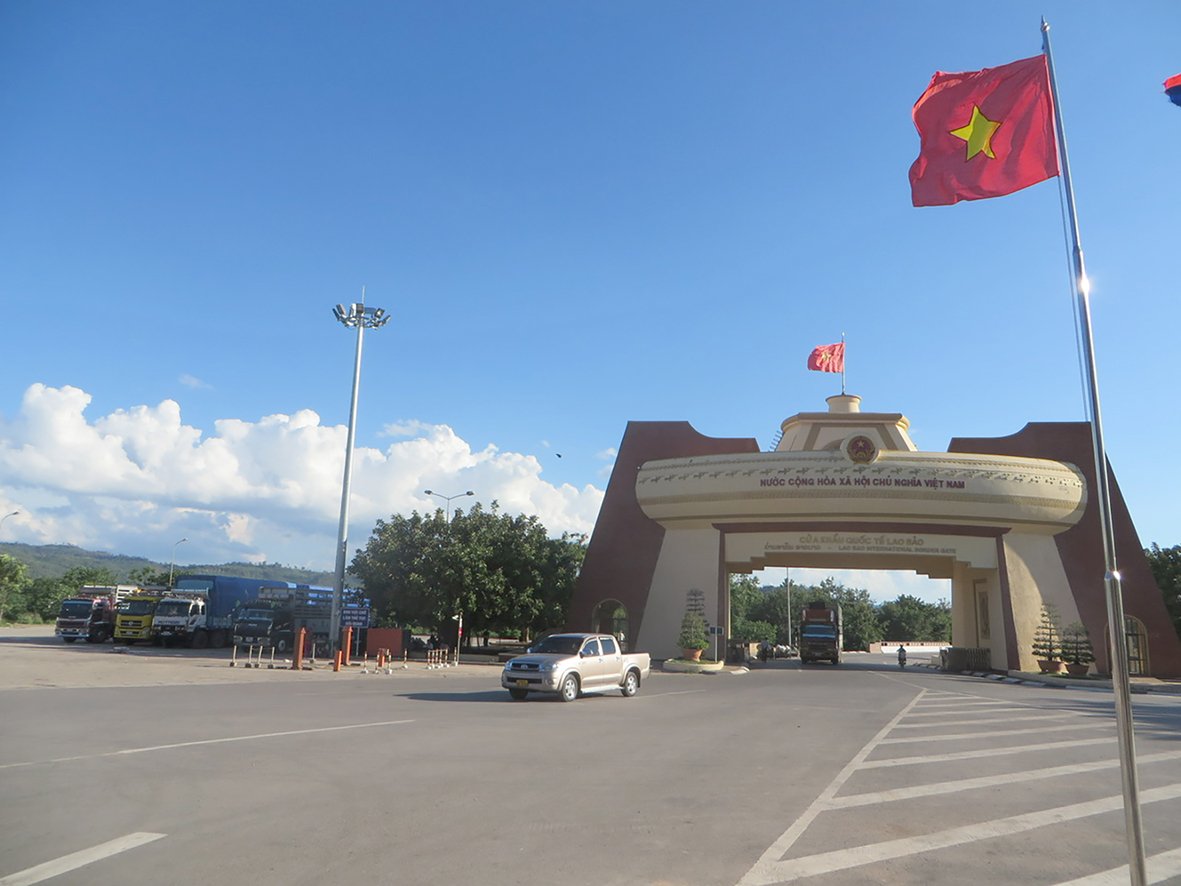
{"x":610,"y":617}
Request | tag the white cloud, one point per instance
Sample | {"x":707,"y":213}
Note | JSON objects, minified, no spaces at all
{"x":136,"y":480}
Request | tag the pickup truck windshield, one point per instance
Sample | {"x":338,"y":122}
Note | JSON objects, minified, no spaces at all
{"x":559,"y":645}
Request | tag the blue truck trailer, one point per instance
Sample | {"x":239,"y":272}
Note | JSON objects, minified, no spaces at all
{"x":199,"y":610}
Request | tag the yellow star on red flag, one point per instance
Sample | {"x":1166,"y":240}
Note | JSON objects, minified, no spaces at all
{"x":978,"y":134}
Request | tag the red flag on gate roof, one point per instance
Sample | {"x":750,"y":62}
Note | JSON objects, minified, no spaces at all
{"x":1173,"y":89}
{"x":984,"y":133}
{"x":828,"y":358}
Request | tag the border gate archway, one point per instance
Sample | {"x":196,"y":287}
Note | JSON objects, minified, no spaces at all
{"x":1007,"y":520}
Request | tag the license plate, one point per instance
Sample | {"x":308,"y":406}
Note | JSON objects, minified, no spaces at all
{"x":522,"y":683}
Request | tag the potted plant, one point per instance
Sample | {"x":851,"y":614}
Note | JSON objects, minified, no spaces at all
{"x":1076,"y":649}
{"x":693,"y":638}
{"x":1047,"y":642}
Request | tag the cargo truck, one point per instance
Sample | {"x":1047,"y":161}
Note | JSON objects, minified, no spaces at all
{"x":200,"y":610}
{"x":273,"y":618}
{"x":90,"y":614}
{"x":134,"y":614}
{"x":821,"y":637}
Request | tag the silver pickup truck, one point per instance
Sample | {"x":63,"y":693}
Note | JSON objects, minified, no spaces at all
{"x":572,"y":664}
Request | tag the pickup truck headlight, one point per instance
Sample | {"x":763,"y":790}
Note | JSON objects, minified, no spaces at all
{"x":548,"y":665}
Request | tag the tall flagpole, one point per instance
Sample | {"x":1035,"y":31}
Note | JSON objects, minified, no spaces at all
{"x":1111,"y":579}
{"x":842,"y":364}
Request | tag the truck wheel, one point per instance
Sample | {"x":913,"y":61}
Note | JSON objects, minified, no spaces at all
{"x":518,"y":694}
{"x":281,"y":646}
{"x":69,"y":639}
{"x":569,"y":690}
{"x":631,"y":684}
{"x":200,"y":640}
{"x":217,"y":639}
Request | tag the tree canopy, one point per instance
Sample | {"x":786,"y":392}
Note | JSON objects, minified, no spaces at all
{"x":759,"y":613}
{"x":1166,"y":569}
{"x":503,"y":572}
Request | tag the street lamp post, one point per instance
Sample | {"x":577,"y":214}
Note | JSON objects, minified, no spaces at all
{"x":6,"y":516}
{"x":448,"y":499}
{"x":361,"y":317}
{"x":172,"y":562}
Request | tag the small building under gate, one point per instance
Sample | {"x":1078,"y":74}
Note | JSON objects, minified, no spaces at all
{"x":1008,"y":520}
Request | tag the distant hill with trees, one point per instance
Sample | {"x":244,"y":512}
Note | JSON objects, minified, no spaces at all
{"x":53,"y":561}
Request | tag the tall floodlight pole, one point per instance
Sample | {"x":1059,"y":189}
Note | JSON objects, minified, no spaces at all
{"x":172,"y":562}
{"x":362,"y":318}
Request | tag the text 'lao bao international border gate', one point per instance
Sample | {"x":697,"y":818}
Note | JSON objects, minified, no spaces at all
{"x":1011,"y":521}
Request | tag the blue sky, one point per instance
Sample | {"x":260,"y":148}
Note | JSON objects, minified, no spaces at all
{"x":577,"y":214}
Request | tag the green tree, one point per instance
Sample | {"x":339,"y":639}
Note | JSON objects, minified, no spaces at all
{"x":150,"y":576}
{"x":909,"y":618}
{"x":1166,"y":569}
{"x":776,"y":609}
{"x":13,"y":584}
{"x":502,"y":572}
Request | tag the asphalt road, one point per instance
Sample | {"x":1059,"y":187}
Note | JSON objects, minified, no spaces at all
{"x":850,"y":775}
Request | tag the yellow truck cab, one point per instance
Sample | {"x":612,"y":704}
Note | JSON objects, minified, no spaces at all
{"x":133,"y":616}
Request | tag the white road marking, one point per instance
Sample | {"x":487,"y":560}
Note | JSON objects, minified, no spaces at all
{"x":967,"y":784}
{"x":764,"y":874}
{"x":769,"y":860}
{"x":943,"y":712}
{"x":75,"y":860}
{"x":190,"y":744}
{"x":984,"y":721}
{"x":957,"y":700}
{"x":961,"y":736}
{"x":1161,"y":869}
{"x":987,"y":752}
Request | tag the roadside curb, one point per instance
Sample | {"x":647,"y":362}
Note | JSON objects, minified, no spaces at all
{"x":1050,"y":681}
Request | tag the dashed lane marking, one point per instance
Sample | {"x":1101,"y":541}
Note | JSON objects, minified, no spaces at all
{"x":75,"y":860}
{"x":207,"y":741}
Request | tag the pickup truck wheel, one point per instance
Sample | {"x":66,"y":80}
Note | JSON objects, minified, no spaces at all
{"x":569,"y":690}
{"x":631,"y":684}
{"x":518,"y":694}
{"x":281,"y":646}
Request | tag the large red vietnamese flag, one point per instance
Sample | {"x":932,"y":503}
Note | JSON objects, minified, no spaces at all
{"x":984,"y":133}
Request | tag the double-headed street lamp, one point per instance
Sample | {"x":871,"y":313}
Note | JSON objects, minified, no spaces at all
{"x":458,"y":618}
{"x":448,"y":499}
{"x":172,"y":562}
{"x":362,"y":318}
